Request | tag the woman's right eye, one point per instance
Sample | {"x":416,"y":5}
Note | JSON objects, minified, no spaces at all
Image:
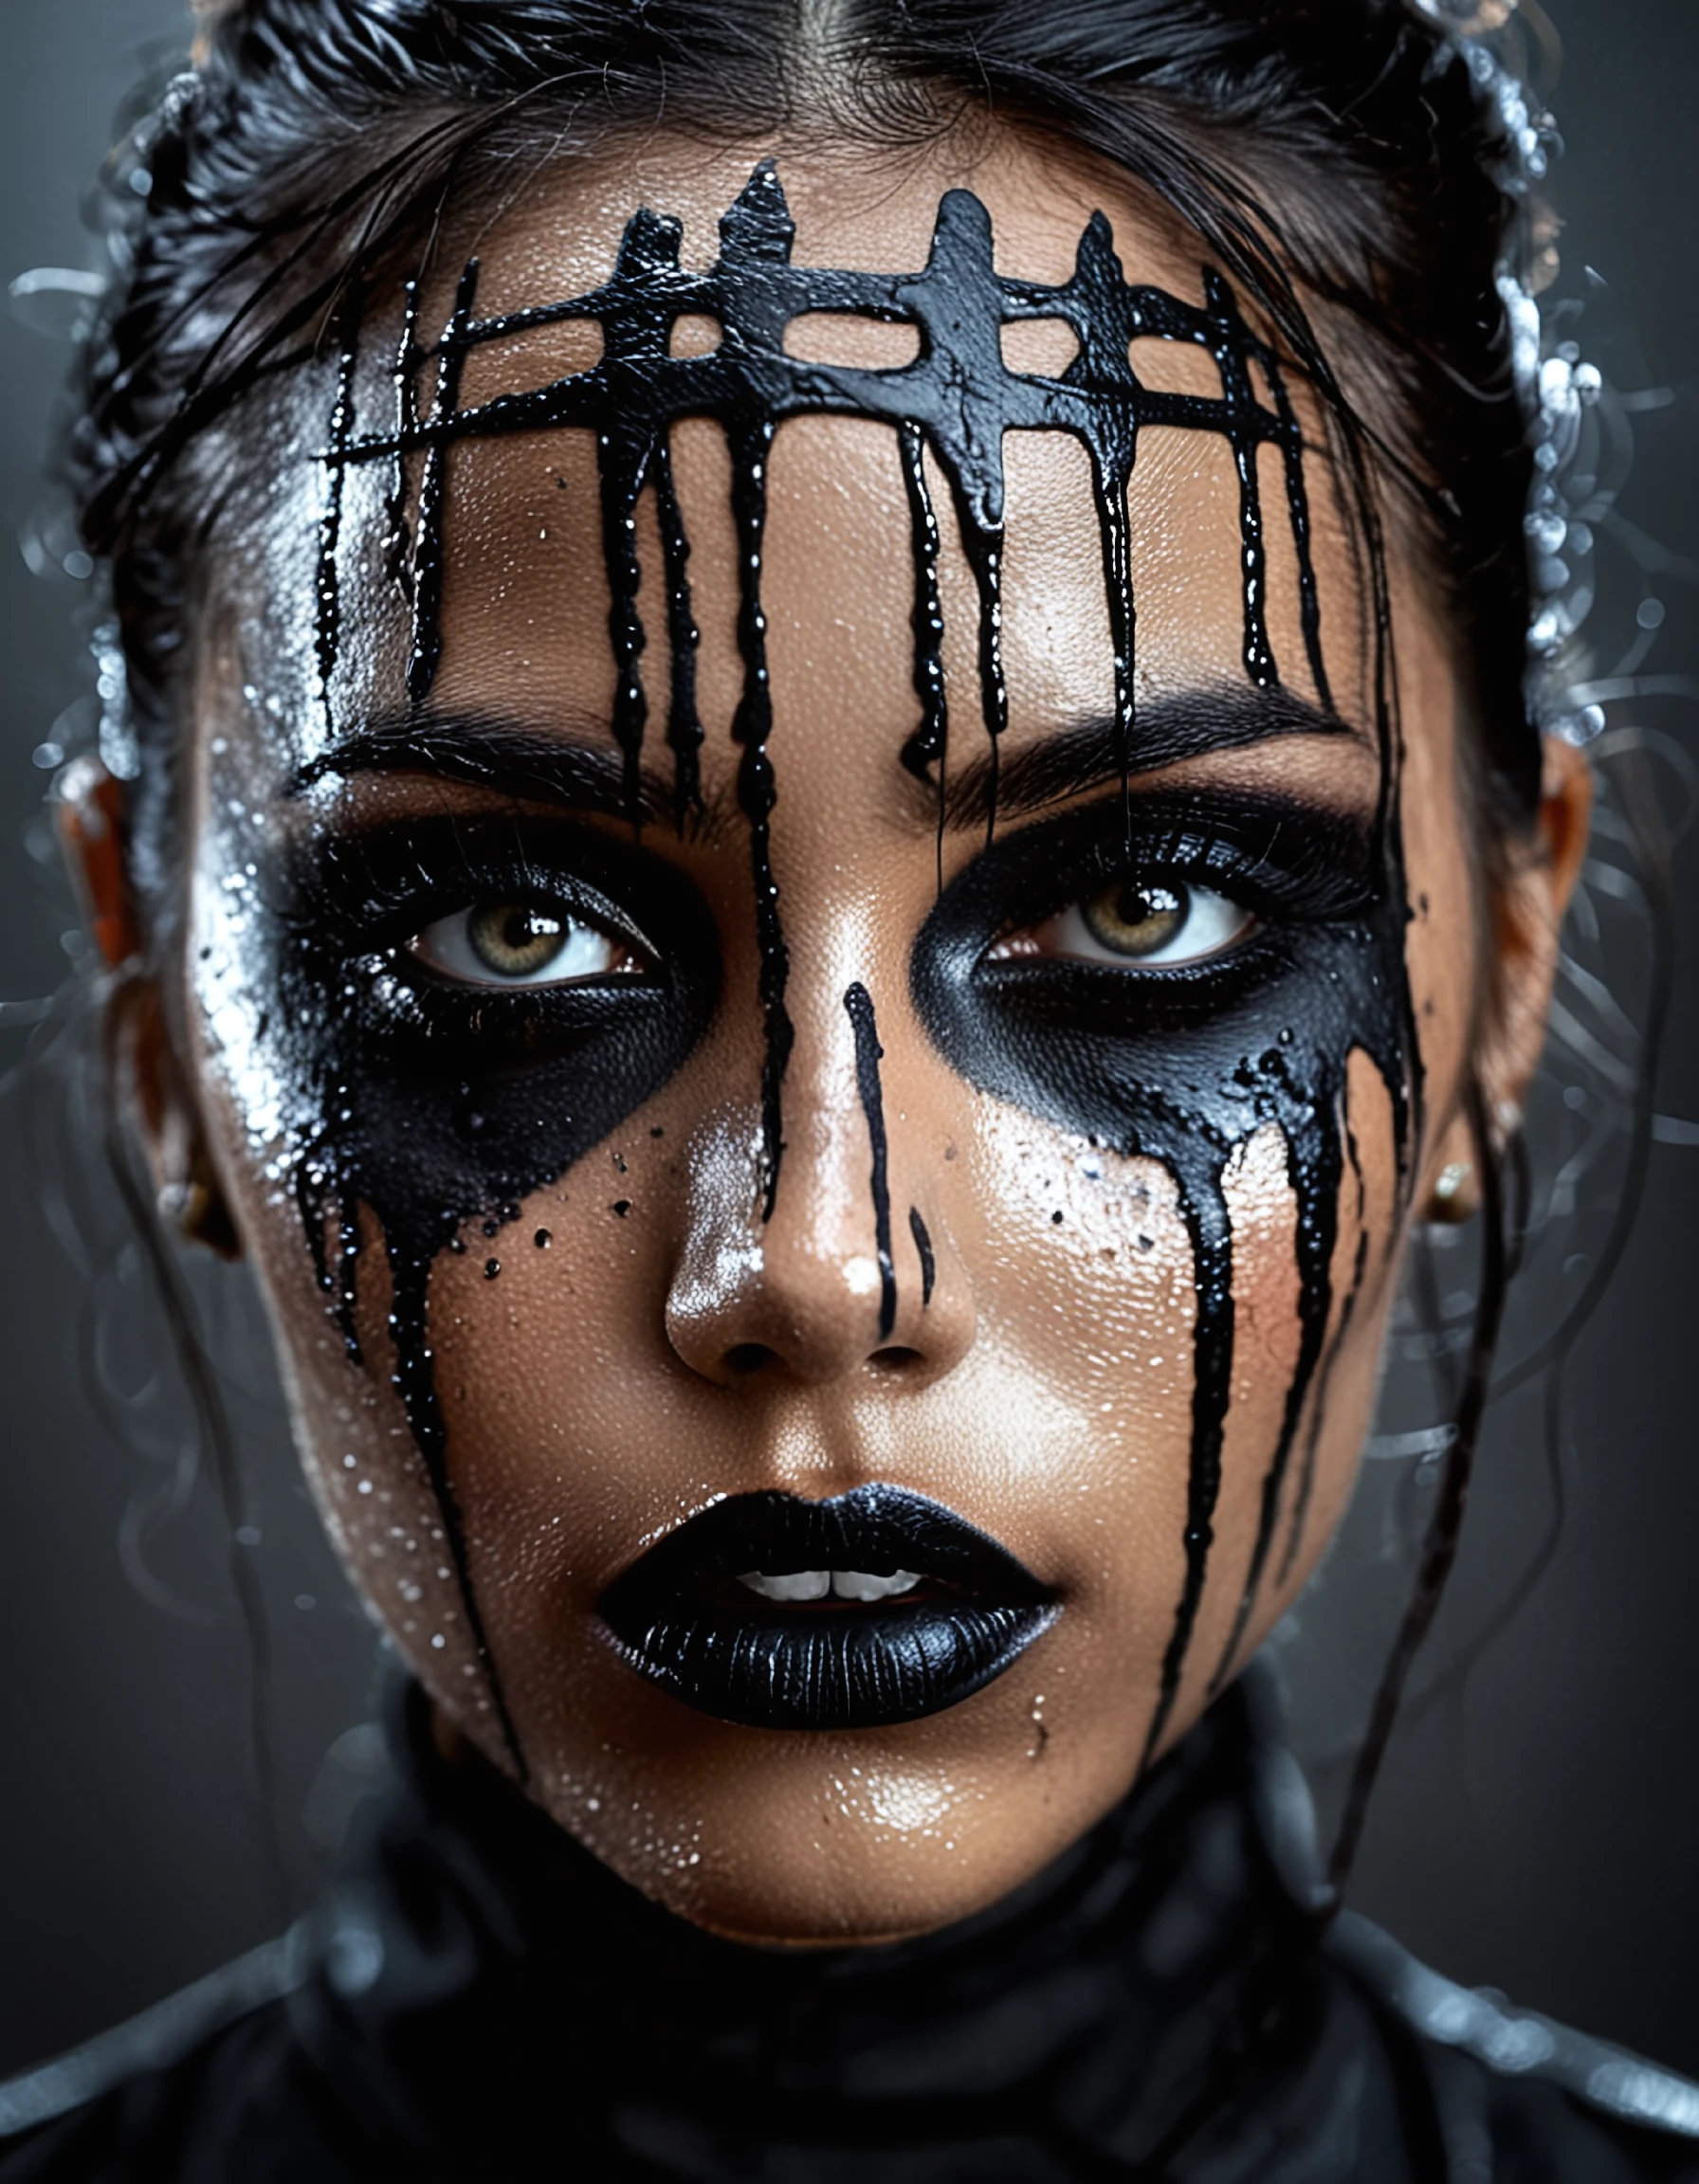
{"x":530,"y":944}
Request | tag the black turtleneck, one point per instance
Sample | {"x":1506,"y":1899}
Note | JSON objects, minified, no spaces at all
{"x":481,"y":1998}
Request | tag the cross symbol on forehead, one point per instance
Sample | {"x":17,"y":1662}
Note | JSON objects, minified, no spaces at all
{"x":958,"y":398}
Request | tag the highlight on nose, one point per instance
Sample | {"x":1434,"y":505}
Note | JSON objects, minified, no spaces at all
{"x":828,"y":1284}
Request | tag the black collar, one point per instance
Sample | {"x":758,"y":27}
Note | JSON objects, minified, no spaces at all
{"x":483,"y":1985}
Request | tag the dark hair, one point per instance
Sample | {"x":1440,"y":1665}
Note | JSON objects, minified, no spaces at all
{"x":1345,"y":151}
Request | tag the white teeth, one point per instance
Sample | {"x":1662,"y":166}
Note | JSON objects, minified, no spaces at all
{"x":816,"y":1584}
{"x":795,"y":1585}
{"x":863,"y":1585}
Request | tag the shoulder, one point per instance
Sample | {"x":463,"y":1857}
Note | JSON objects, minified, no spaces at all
{"x":1515,"y":2097}
{"x":146,"y":2098}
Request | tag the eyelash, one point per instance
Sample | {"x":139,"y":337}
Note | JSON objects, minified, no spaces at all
{"x":461,"y":946}
{"x":1219,"y":852}
{"x":401,"y":902}
{"x":394,"y":899}
{"x":1170,"y":905}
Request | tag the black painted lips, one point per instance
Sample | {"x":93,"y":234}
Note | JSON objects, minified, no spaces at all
{"x":682,"y":1619}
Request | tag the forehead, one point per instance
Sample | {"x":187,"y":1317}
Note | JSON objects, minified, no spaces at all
{"x":612,"y":375}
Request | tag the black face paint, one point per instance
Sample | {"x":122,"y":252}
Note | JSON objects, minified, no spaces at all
{"x":1347,"y":1312}
{"x":441,"y":1100}
{"x":1175,"y":1065}
{"x":858,"y":1003}
{"x":923,"y":754}
{"x":923,"y":1244}
{"x":1184,"y":1066}
{"x":958,"y":398}
{"x":427,"y":561}
{"x":329,"y":637}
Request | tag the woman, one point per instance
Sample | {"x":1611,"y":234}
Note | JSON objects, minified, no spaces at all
{"x":835,"y":829}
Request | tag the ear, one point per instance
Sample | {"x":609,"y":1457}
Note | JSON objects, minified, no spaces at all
{"x":93,"y":834}
{"x":1521,"y":930}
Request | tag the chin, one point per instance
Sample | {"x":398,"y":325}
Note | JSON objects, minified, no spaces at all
{"x":798,"y":1838}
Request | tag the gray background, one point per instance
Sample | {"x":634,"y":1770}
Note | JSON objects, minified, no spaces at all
{"x":1540,"y":1837}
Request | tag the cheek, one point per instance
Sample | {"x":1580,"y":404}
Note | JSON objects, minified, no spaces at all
{"x":1083,"y":1280}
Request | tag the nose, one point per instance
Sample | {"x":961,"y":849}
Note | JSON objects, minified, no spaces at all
{"x":854,"y":1275}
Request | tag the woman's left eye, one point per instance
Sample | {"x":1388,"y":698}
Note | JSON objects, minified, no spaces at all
{"x":523,"y":944}
{"x":1138,"y":923}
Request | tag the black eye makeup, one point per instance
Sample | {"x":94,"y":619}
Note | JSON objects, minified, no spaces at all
{"x":1144,"y":1042}
{"x":1213,"y":889}
{"x":466,"y":1003}
{"x":1162,"y":975}
{"x":488,"y":940}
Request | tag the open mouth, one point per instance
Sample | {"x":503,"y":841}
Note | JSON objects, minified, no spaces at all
{"x":877,"y":1607}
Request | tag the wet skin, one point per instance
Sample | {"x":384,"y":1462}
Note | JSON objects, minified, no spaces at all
{"x":1091,"y":1207}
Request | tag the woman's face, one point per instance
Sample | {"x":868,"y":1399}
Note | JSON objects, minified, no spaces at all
{"x":1094,"y":1168}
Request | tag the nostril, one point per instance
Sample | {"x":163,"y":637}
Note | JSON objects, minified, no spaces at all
{"x":895,"y":1360}
{"x":749,"y":1357}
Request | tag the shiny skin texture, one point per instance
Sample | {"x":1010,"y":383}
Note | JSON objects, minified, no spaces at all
{"x":667,"y":1345}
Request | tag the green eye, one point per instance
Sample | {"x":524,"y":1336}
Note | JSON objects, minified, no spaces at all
{"x":1137,"y":923}
{"x":1136,"y":916}
{"x":514,"y":942}
{"x":521,"y":944}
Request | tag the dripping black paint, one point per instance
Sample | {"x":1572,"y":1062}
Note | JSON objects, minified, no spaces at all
{"x":956,"y":401}
{"x":858,"y":1005}
{"x":958,"y":398}
{"x":1184,"y":1068}
{"x":923,"y":1245}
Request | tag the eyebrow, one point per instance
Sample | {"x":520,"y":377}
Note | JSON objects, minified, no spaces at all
{"x":485,"y":752}
{"x":559,"y":767}
{"x":1188,"y":724}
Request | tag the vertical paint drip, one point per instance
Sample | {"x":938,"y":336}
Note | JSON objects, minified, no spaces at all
{"x":1212,"y":1345}
{"x":1306,"y":1475}
{"x":1313,"y":1169}
{"x":858,"y":1003}
{"x":1108,"y":490}
{"x":415,"y":1383}
{"x":330,"y":531}
{"x":1297,"y":495}
{"x":619,"y":462}
{"x":928,"y":747}
{"x":1244,"y":437}
{"x":752,"y":444}
{"x":983,"y":545}
{"x":684,"y":722}
{"x":1204,"y":1211}
{"x":923,"y":1244}
{"x":397,"y":544}
{"x":434,"y":494}
{"x":319,"y":1202}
